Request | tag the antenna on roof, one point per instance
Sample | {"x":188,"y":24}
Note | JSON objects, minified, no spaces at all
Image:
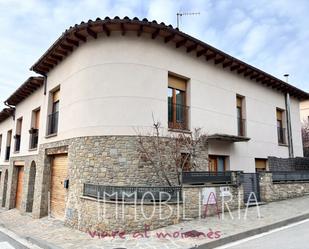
{"x":180,"y":14}
{"x":286,"y":77}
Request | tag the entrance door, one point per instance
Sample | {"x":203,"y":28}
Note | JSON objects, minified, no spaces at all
{"x":58,"y":193}
{"x":19,"y":188}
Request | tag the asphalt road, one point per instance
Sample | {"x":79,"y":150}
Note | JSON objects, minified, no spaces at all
{"x":292,"y":237}
{"x":7,"y":242}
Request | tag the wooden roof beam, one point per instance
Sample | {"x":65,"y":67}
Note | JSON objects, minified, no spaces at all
{"x":72,"y":42}
{"x":80,"y":37}
{"x":52,"y":61}
{"x":248,"y":73}
{"x":181,"y":43}
{"x":106,"y":30}
{"x":66,"y":47}
{"x":155,"y":34}
{"x":56,"y":57}
{"x":123,"y":30}
{"x":219,"y":60}
{"x":210,"y":56}
{"x":260,"y":78}
{"x":235,"y":67}
{"x":169,"y":38}
{"x":201,"y":52}
{"x":227,"y":64}
{"x":91,"y":33}
{"x":191,"y":48}
{"x":254,"y":76}
{"x":47,"y":64}
{"x":60,"y":52}
{"x":140,"y":30}
{"x":241,"y":70}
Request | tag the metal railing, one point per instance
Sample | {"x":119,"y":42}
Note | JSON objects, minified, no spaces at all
{"x":178,"y":116}
{"x":241,"y":127}
{"x":287,"y":176}
{"x":128,"y":193}
{"x":281,"y":135}
{"x":17,"y":142}
{"x":202,"y":177}
{"x":7,"y":153}
{"x":34,"y":138}
{"x":52,"y":122}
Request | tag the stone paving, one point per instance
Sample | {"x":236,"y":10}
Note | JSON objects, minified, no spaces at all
{"x":53,"y":232}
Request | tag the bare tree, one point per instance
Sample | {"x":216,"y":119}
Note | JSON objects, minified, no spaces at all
{"x":170,"y":153}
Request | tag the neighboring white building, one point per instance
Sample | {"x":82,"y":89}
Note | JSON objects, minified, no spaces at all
{"x":304,"y":111}
{"x":107,"y":78}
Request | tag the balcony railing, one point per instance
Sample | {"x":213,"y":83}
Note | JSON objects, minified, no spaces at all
{"x":178,"y":116}
{"x":287,"y":176}
{"x":7,"y":153}
{"x":204,"y":177}
{"x":34,"y":138}
{"x":241,"y":127}
{"x":131,"y":194}
{"x":281,"y":135}
{"x":17,"y":142}
{"x":52,"y":123}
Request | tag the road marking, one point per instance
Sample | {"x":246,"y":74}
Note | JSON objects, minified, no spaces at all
{"x":261,"y":235}
{"x":6,"y":245}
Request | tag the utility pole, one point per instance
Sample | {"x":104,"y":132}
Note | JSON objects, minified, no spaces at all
{"x":180,"y":14}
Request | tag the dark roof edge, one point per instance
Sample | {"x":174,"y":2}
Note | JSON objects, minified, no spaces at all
{"x":71,"y":38}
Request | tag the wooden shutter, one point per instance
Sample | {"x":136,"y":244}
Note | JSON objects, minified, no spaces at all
{"x":56,"y":96}
{"x":37,"y":119}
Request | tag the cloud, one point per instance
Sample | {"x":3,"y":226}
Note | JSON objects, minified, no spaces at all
{"x":272,"y":35}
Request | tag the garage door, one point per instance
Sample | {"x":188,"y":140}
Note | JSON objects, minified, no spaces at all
{"x":58,"y":193}
{"x":19,"y":189}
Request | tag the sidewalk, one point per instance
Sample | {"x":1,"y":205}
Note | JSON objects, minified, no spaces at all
{"x":50,"y":233}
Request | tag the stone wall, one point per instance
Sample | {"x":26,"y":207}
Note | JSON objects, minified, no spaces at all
{"x":3,"y":185}
{"x":279,"y":191}
{"x":95,"y":215}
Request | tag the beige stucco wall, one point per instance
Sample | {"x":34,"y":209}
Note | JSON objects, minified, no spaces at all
{"x":304,"y":111}
{"x":112,"y":86}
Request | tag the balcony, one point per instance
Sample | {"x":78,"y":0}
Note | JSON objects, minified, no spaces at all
{"x":7,"y":153}
{"x":178,"y":117}
{"x":17,"y":143}
{"x":52,"y":123}
{"x":34,"y":138}
{"x":241,"y":127}
{"x":281,"y":135}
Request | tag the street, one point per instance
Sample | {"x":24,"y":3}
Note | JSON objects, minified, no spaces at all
{"x":7,"y":242}
{"x":294,"y":236}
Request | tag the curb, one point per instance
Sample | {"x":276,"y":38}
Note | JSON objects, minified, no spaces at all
{"x":252,"y":232}
{"x":41,"y":243}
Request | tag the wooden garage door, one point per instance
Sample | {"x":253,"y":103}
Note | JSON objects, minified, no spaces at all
{"x":19,"y":189}
{"x":58,"y":193}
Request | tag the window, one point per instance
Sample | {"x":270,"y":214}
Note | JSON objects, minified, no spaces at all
{"x":17,"y":136}
{"x":217,"y":163}
{"x":34,"y":131}
{"x":52,"y":121}
{"x":280,"y":126}
{"x":241,"y":121}
{"x":8,"y":145}
{"x":260,"y":165}
{"x":177,"y":109}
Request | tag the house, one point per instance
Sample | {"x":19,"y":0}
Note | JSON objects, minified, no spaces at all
{"x":103,"y":79}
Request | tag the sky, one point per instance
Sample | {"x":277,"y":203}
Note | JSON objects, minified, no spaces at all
{"x":272,"y":35}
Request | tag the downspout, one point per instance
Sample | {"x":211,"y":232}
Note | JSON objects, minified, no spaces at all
{"x":45,"y":82}
{"x":288,"y":120}
{"x":289,"y":126}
